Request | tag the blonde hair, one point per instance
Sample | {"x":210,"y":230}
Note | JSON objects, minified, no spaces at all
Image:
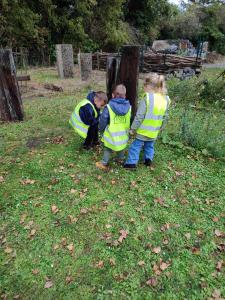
{"x":119,"y":91}
{"x":156,"y":83}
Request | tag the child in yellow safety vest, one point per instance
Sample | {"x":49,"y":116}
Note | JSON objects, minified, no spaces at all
{"x":114,"y":123}
{"x":149,"y":120}
{"x":85,"y":117}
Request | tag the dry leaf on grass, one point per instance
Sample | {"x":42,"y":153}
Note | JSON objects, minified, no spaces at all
{"x":108,"y":226}
{"x":2,"y":179}
{"x":73,"y":191}
{"x":123,"y":235}
{"x":32,"y":233}
{"x":8,"y":250}
{"x":72,"y":219}
{"x":112,"y":262}
{"x":35,"y":271}
{"x":70,"y":247}
{"x":216,"y":294}
{"x":54,"y":209}
{"x":100,"y":264}
{"x":27,"y":181}
{"x":48,"y":284}
{"x":152,"y":281}
{"x":141,"y":263}
{"x":69,"y":279}
{"x":187,"y":235}
{"x":164,"y":265}
{"x":219,"y":233}
{"x":22,"y":218}
{"x":156,"y":250}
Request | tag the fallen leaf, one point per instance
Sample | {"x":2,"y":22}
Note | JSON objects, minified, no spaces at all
{"x":219,"y":265}
{"x":35,"y":271}
{"x":152,"y":281}
{"x":112,"y":262}
{"x":70,"y":247}
{"x":159,"y":200}
{"x":123,"y":235}
{"x":108,"y":226}
{"x":27,"y":181}
{"x":165,"y":227}
{"x":99,"y":177}
{"x":16,"y":297}
{"x":122,"y":203}
{"x":156,"y":269}
{"x":215,"y":219}
{"x":150,"y":229}
{"x":156,"y":250}
{"x":219,"y":233}
{"x":69,"y":279}
{"x":55,"y":247}
{"x":22,"y":218}
{"x":8,"y":250}
{"x":84,"y":210}
{"x":48,"y":284}
{"x":54,"y":209}
{"x":178,"y":174}
{"x":141,"y":263}
{"x":73,"y":191}
{"x":72,"y":219}
{"x":195,"y":250}
{"x":29,"y":224}
{"x":113,"y":182}
{"x":163,"y":265}
{"x":2,"y":179}
{"x":63,"y":242}
{"x":100,"y":264}
{"x":165,"y":242}
{"x":216,"y":294}
{"x":187,"y":235}
{"x":32,"y":233}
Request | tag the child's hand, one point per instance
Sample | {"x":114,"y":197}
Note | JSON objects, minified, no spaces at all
{"x":132,"y":132}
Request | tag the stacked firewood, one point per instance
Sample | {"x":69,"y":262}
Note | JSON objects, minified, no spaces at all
{"x":153,"y":62}
{"x":99,"y":60}
{"x":167,"y":63}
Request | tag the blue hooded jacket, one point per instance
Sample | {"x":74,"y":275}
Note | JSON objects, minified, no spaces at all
{"x":86,"y":112}
{"x":120,"y":106}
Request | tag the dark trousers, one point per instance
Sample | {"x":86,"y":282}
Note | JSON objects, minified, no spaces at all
{"x":92,"y":136}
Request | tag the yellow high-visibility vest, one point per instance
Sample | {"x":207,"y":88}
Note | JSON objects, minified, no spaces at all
{"x":76,"y":122}
{"x":157,"y":105}
{"x":116,"y":134}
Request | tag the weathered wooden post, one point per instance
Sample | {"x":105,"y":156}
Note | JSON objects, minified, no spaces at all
{"x":125,"y":70}
{"x":112,"y":70}
{"x":11,"y":108}
{"x":85,"y":64}
{"x":129,"y":73}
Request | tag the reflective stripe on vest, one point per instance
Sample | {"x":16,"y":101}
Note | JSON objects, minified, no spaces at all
{"x":156,"y":107}
{"x":115,"y":135}
{"x":76,"y":122}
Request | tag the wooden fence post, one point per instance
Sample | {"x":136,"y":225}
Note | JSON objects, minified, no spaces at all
{"x":11,"y":108}
{"x":125,"y":70}
{"x":129,"y":73}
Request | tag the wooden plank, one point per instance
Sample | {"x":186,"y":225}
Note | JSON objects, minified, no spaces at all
{"x":11,"y":108}
{"x":23,"y":78}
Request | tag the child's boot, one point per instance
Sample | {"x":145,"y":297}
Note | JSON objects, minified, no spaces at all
{"x":148,"y":162}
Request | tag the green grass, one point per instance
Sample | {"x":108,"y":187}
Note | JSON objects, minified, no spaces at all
{"x":190,"y":185}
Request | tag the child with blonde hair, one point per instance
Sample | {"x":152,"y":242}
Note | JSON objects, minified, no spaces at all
{"x":149,"y":120}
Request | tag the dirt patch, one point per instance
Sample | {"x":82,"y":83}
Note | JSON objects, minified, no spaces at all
{"x":42,"y":77}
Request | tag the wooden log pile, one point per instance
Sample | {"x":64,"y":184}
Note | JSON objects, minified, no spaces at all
{"x":153,"y":62}
{"x":99,"y":60}
{"x":168,"y":63}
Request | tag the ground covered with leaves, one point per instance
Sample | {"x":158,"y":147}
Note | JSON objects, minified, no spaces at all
{"x":71,"y":231}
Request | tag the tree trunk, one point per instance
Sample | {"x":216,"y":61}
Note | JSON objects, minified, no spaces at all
{"x":125,"y":70}
{"x":11,"y":108}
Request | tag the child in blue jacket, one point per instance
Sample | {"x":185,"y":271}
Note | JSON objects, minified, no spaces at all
{"x":121,"y":108}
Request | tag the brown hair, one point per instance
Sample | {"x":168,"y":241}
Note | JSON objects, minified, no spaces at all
{"x":101,"y":96}
{"x":119,"y":91}
{"x":156,"y":83}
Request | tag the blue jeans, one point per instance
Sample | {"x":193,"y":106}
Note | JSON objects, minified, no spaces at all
{"x":135,"y":149}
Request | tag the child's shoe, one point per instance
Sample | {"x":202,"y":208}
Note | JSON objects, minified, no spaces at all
{"x":130,"y":166}
{"x":101,"y":166}
{"x":148,"y":162}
